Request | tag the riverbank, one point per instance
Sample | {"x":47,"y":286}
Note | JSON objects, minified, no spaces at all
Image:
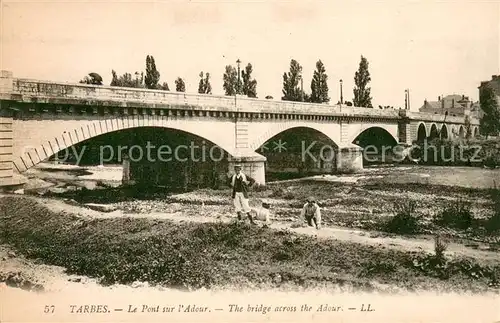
{"x":193,"y":255}
{"x":360,"y":201}
{"x":120,"y":239}
{"x":458,"y":152}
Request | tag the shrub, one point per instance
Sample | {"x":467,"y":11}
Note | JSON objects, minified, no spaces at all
{"x":457,"y":215}
{"x":406,"y":221}
{"x":429,"y":265}
{"x":491,"y":161}
{"x":440,"y":247}
{"x":492,"y":224}
{"x":495,"y":197}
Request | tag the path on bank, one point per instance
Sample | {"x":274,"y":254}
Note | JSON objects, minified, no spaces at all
{"x":330,"y":232}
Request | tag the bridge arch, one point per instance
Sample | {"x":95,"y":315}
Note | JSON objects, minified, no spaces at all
{"x":375,"y":136}
{"x":433,"y":132}
{"x":443,"y":133}
{"x":299,"y":150}
{"x":476,"y":132}
{"x":386,"y":129}
{"x":263,"y":135}
{"x":421,"y":132}
{"x":59,"y":139}
{"x":461,"y":132}
{"x":305,"y":134}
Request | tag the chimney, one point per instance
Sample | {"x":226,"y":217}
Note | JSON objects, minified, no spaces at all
{"x":439,"y":98}
{"x":452,"y":103}
{"x":409,"y":99}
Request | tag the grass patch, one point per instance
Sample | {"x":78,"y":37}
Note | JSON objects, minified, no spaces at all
{"x":195,"y":255}
{"x":109,"y":195}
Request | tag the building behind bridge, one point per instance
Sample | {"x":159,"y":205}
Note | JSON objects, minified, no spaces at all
{"x":455,"y":105}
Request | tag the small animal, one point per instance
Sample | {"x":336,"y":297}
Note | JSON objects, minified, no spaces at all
{"x":262,"y":213}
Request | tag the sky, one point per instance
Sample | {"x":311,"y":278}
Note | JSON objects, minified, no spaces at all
{"x":432,"y":48}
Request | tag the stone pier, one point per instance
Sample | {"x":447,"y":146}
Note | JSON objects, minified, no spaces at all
{"x":251,"y":163}
{"x":349,"y":159}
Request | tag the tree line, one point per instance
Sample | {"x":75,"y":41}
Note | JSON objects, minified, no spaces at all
{"x":490,"y":121}
{"x":242,"y":83}
{"x":292,"y":90}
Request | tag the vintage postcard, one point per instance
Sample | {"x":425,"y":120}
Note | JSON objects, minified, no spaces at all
{"x":249,"y":161}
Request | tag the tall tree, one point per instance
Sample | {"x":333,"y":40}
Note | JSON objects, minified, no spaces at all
{"x":490,"y":122}
{"x":362,"y":96}
{"x":114,"y":78}
{"x":152,"y":77}
{"x":249,"y":85}
{"x":468,"y":127}
{"x":126,"y":80}
{"x":230,"y":79}
{"x":319,"y":85}
{"x":291,"y":81}
{"x":180,"y":86}
{"x":139,"y":80}
{"x":204,"y":85}
{"x":92,"y":78}
{"x":164,"y":87}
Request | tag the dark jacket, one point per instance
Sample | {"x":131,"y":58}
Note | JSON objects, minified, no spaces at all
{"x":244,"y":185}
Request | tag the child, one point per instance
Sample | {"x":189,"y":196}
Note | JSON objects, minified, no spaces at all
{"x":240,"y":183}
{"x":311,"y":212}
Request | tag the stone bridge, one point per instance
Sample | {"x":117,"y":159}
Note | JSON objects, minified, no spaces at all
{"x":39,"y":118}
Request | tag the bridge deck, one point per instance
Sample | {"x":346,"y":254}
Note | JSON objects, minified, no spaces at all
{"x":35,"y":91}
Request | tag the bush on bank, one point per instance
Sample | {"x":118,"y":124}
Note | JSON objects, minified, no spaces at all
{"x":471,"y":152}
{"x":457,"y":215}
{"x":408,"y":219}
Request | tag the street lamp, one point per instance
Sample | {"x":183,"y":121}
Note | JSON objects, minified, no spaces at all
{"x":341,"y":97}
{"x":238,"y":85}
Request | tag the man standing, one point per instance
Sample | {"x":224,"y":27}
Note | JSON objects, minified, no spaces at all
{"x":240,"y":183}
{"x":312,"y":212}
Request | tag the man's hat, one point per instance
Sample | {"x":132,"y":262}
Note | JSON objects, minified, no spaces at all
{"x":237,"y":165}
{"x":311,"y":199}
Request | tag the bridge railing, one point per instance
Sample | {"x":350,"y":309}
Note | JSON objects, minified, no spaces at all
{"x":121,"y":96}
{"x":439,"y":118}
{"x":256,"y":105}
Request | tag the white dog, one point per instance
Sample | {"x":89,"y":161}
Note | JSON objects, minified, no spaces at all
{"x":262,"y":214}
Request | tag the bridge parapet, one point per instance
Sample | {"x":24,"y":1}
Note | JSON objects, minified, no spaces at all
{"x":245,"y":104}
{"x":438,"y":118}
{"x":27,"y":90}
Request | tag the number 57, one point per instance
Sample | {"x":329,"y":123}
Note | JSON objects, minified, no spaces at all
{"x":49,"y":309}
